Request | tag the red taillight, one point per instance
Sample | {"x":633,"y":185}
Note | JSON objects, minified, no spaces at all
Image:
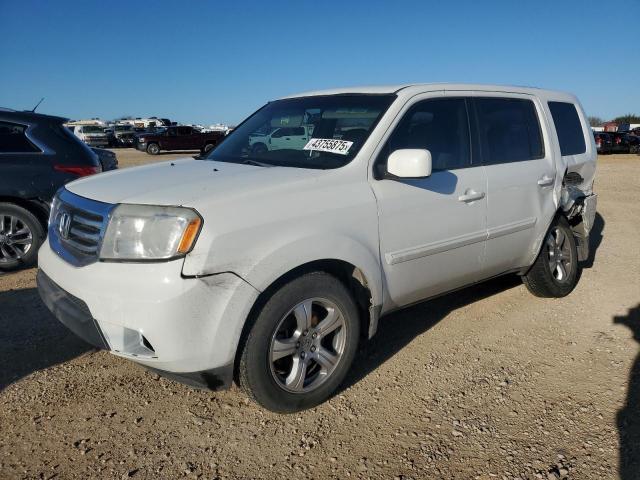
{"x":618,"y":140}
{"x":79,"y":171}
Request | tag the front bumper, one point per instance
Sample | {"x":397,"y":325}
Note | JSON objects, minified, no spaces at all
{"x":97,"y":142}
{"x":150,"y":314}
{"x":71,"y":311}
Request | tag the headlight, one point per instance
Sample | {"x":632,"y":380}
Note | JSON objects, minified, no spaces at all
{"x":146,"y":232}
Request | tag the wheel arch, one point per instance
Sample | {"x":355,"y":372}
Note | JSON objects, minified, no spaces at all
{"x":36,"y":207}
{"x":350,"y":275}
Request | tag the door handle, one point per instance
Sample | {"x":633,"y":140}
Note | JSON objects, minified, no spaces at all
{"x":546,"y":181}
{"x":471,"y":196}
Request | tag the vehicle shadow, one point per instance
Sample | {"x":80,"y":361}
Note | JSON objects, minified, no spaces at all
{"x":628,"y":419}
{"x":30,"y":337}
{"x":397,"y":330}
{"x":595,"y":239}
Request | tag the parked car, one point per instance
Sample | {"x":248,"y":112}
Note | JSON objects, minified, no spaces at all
{"x":177,"y":138}
{"x":621,"y":142}
{"x":270,"y":268}
{"x":121,"y":135}
{"x":108,"y":159}
{"x":604,"y":143}
{"x":634,"y":143}
{"x":92,"y":135}
{"x":37,"y":156}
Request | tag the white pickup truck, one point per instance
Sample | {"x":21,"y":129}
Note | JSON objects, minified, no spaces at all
{"x":282,"y":138}
{"x":268,"y":268}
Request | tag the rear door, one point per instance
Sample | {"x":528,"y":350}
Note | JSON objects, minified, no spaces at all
{"x":521,"y":175}
{"x":432,"y":230}
{"x":25,"y":169}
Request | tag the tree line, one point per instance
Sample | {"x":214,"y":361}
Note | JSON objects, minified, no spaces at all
{"x":628,"y":118}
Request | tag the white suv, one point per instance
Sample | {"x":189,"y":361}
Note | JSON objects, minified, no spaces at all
{"x":269,"y":268}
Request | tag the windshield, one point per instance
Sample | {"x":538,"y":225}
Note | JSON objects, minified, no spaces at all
{"x":306,"y":132}
{"x":92,"y":129}
{"x":122,"y":128}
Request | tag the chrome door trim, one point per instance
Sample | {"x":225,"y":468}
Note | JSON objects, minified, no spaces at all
{"x":420,"y":251}
{"x":513,"y":227}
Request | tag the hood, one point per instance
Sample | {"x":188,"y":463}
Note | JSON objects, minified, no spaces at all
{"x":185,"y":181}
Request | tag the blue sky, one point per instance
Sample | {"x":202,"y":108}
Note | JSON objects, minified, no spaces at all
{"x":206,"y":62}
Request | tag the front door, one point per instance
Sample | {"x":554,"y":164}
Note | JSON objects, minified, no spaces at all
{"x":185,"y":140}
{"x":288,"y":138}
{"x":432,"y":230}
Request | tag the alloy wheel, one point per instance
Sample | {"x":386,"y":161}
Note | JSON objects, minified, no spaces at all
{"x":559,"y":255}
{"x":16,"y":238}
{"x":307,"y":345}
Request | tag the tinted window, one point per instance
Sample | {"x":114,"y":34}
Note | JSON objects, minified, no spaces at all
{"x":568,"y":128}
{"x":14,"y":140}
{"x":509,"y":130}
{"x":184,"y":131}
{"x":440,"y":126}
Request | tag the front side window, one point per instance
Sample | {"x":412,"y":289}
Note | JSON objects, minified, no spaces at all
{"x":568,"y":128}
{"x":438,"y":125}
{"x":331,"y":143}
{"x":13,"y":139}
{"x":509,"y":130}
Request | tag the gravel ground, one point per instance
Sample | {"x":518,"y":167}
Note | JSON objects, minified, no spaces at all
{"x":488,"y":382}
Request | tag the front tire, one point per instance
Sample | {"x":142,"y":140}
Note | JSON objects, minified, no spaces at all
{"x":259,"y":149}
{"x":301,"y":345}
{"x":21,"y":235}
{"x":555,"y":271}
{"x":153,"y":149}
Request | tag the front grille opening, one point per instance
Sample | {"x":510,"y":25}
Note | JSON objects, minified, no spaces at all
{"x":77,"y":226}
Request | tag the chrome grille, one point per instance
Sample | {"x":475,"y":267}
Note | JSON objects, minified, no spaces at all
{"x":76,"y":227}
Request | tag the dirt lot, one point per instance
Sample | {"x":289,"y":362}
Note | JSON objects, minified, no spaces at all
{"x":489,"y":382}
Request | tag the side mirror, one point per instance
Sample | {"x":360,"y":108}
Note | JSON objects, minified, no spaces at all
{"x":409,"y":163}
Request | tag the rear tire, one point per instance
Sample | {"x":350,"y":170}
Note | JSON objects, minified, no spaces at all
{"x":301,"y":345}
{"x":153,"y":149}
{"x":21,"y":235}
{"x":555,"y":271}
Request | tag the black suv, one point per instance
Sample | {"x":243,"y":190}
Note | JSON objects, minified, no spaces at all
{"x":37,"y":156}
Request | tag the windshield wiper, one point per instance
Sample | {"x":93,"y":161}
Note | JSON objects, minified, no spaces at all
{"x":257,"y":163}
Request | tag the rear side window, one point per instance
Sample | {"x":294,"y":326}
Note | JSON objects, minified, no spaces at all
{"x":509,"y":130}
{"x":568,"y":128}
{"x":438,"y":125}
{"x":14,"y":140}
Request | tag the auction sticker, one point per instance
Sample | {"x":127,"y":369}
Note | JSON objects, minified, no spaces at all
{"x":341,"y":147}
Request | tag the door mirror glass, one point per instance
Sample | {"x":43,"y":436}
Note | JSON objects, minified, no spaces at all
{"x":410,"y":163}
